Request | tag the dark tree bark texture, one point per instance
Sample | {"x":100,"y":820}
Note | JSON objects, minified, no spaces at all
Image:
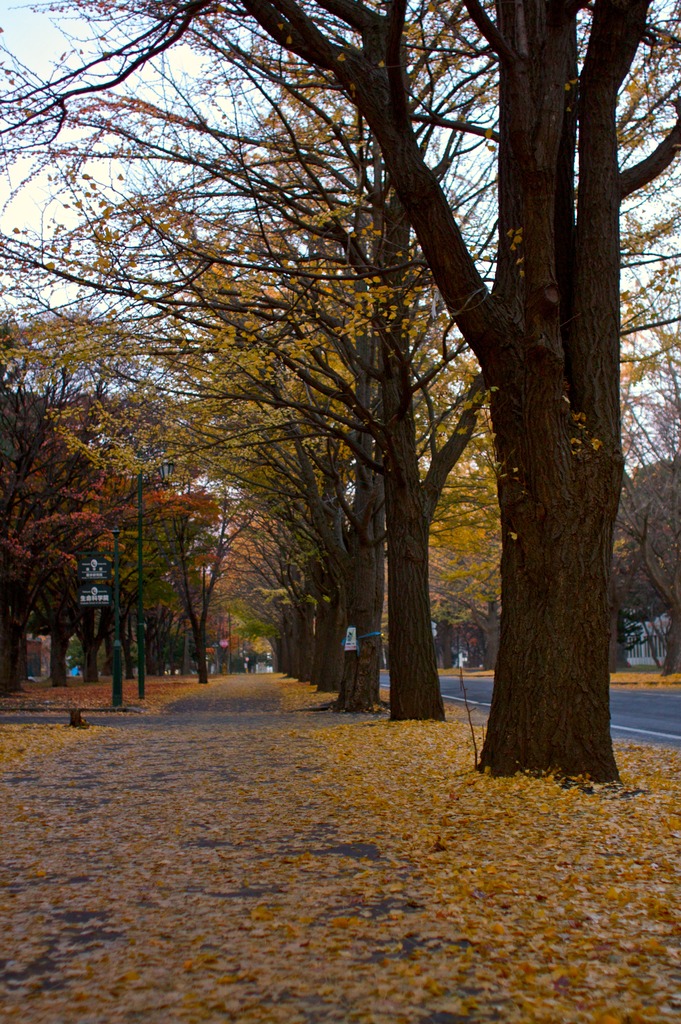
{"x":58,"y":650}
{"x":360,"y":683}
{"x":672,"y":659}
{"x":414,"y":680}
{"x":445,"y":636}
{"x":327,"y":665}
{"x":10,"y":644}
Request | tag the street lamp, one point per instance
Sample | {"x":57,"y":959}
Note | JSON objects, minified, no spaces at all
{"x":117,"y":668}
{"x":140,"y":593}
{"x":166,"y":471}
{"x":203,"y":618}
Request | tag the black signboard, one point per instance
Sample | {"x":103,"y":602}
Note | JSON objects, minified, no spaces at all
{"x":95,"y":595}
{"x":94,"y":566}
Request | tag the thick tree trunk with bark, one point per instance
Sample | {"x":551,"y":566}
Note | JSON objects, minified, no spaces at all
{"x":491,"y":627}
{"x":365,"y":567}
{"x":10,"y":641}
{"x":360,"y":683}
{"x":672,"y":659}
{"x":126,"y":643}
{"x":304,"y":641}
{"x":285,"y":642}
{"x":107,"y":665}
{"x":545,"y":632}
{"x":59,"y":645}
{"x":186,"y":666}
{"x":152,"y":648}
{"x":614,"y":609}
{"x":445,"y":636}
{"x":327,"y":666}
{"x":90,"y":666}
{"x":197,"y":631}
{"x":275,"y":644}
{"x":295,"y":669}
{"x":14,"y":613}
{"x":94,"y":629}
{"x":414,"y":680}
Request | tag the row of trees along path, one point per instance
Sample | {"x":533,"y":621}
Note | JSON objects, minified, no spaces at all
{"x":546,"y":336}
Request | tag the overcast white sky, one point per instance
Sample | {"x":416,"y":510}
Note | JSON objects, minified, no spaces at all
{"x":30,"y":35}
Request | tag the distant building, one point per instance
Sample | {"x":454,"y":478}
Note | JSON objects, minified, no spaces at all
{"x":651,"y":646}
{"x":38,"y":656}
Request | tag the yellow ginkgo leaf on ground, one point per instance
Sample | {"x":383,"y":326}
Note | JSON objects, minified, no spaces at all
{"x":262,"y":914}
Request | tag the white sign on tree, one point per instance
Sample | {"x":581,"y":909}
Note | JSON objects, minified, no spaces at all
{"x":351,"y":638}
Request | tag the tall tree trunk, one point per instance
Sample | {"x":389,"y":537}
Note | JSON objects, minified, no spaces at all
{"x":151,"y":647}
{"x":672,"y":659}
{"x":360,"y":682}
{"x":552,"y":551}
{"x":304,"y":641}
{"x":445,"y":634}
{"x":414,"y":680}
{"x":327,"y":666}
{"x":197,"y":630}
{"x":107,"y":665}
{"x":10,"y":645}
{"x":90,"y":666}
{"x":186,"y":668}
{"x":59,"y":645}
{"x":90,"y":643}
{"x":491,"y":627}
{"x":22,"y":657}
{"x":285,"y":642}
{"x":614,"y":606}
{"x":556,"y":410}
{"x":277,"y":659}
{"x":126,"y":635}
{"x":293,"y":636}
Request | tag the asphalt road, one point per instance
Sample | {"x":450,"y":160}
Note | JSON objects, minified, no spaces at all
{"x":648,"y":716}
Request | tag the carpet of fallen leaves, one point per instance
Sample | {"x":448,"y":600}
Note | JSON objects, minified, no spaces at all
{"x":243,"y":857}
{"x":644,"y":679}
{"x":158,"y":691}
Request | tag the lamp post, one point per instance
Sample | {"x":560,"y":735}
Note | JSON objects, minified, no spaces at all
{"x":203,"y":619}
{"x":166,"y":471}
{"x":140,"y":593}
{"x":117,"y":668}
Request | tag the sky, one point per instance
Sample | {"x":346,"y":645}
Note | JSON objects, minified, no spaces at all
{"x":30,"y":35}
{"x":35,"y":38}
{"x":37,"y":42}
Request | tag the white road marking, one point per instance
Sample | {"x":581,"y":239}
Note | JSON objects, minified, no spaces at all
{"x":648,"y":732}
{"x":478,"y":703}
{"x":622,"y":728}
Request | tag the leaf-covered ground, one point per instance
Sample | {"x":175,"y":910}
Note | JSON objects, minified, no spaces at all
{"x":236,"y":859}
{"x":159,"y":691}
